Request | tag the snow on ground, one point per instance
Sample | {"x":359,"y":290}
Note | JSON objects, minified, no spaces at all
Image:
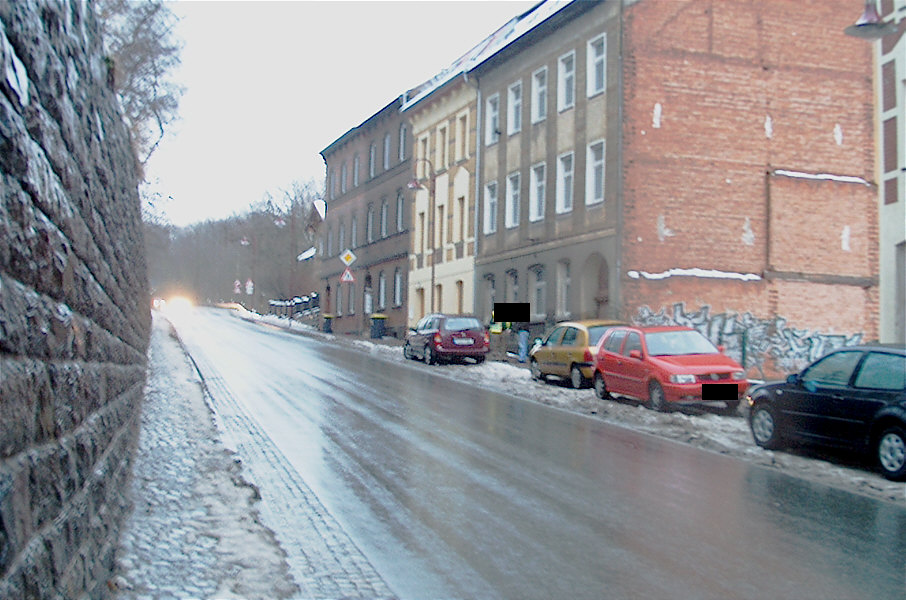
{"x":699,"y":427}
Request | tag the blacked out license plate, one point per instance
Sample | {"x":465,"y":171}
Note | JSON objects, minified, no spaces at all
{"x":720,"y":391}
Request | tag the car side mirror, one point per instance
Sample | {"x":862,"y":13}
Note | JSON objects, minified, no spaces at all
{"x":636,"y":354}
{"x":792,"y":379}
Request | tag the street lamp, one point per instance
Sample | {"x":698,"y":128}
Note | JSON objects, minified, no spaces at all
{"x":870,"y":26}
{"x":416,"y":184}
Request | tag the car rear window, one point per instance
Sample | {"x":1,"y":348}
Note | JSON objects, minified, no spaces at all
{"x":461,"y":324}
{"x":882,"y":371}
{"x":676,"y":343}
{"x":595,"y":333}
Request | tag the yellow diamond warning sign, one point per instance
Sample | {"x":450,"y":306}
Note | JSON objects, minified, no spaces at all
{"x":347,"y":257}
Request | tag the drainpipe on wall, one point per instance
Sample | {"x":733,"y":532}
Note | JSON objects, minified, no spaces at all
{"x":621,"y":234}
{"x":477,"y":192}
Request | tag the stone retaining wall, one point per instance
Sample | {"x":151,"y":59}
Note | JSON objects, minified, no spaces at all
{"x":74,"y":316}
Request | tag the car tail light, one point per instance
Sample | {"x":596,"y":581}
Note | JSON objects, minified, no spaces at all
{"x":487,"y":339}
{"x":437,"y":339}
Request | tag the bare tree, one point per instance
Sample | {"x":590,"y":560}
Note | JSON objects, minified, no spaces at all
{"x":139,"y":41}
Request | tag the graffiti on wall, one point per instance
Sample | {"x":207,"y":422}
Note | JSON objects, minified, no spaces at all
{"x":751,"y":340}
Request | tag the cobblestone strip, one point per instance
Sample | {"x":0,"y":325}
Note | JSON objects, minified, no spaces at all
{"x":322,"y":558}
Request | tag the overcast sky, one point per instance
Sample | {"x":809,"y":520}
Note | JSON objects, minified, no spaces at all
{"x":271,"y":84}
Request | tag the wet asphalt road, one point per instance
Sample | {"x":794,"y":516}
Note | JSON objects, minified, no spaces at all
{"x":452,"y":491}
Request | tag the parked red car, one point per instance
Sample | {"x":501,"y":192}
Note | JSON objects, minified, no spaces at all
{"x":439,"y":337}
{"x":667,"y":366}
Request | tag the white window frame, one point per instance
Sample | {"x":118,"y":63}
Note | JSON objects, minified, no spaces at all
{"x":595,"y":173}
{"x":351,"y":290}
{"x":564,"y":283}
{"x":343,"y":177}
{"x":397,"y":287}
{"x":402,"y":149}
{"x":539,"y":95}
{"x":353,"y":231}
{"x":339,"y":299}
{"x":382,"y":291}
{"x":400,"y":211}
{"x":385,"y":210}
{"x":492,"y":120}
{"x":566,"y":81}
{"x":490,"y":208}
{"x":538,"y":292}
{"x":372,"y":160}
{"x":443,"y":146}
{"x":386,"y":151}
{"x":342,"y":237}
{"x":537,"y":191}
{"x":511,"y":216}
{"x":462,"y":136}
{"x":355,"y":171}
{"x":514,"y":108}
{"x":594,"y":62}
{"x":369,"y":224}
{"x":565,"y":182}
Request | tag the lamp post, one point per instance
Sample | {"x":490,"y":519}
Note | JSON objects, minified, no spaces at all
{"x":870,"y":25}
{"x":417,"y":184}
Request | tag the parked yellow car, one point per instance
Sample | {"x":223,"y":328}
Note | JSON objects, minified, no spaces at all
{"x":568,"y":351}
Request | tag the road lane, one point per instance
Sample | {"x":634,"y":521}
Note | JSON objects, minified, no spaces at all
{"x":454,"y":491}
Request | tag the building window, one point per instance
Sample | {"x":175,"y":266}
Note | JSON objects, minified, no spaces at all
{"x":536,"y":192}
{"x":539,"y":95}
{"x":492,"y":120}
{"x":566,"y":81}
{"x":382,"y":291}
{"x":594,"y":176}
{"x":330,"y":242}
{"x":511,"y":293}
{"x":421,"y":165}
{"x":339,"y":299}
{"x":490,"y":294}
{"x":343,"y":178}
{"x":514,"y":109}
{"x":490,"y":207}
{"x":462,"y":136}
{"x":369,"y":225}
{"x":461,"y":210}
{"x":353,"y":232}
{"x":403,"y":132}
{"x":385,"y":209}
{"x":565,"y":183}
{"x":442,"y":146}
{"x":597,"y":65}
{"x":351,"y":298}
{"x":386,"y":151}
{"x":439,"y":228}
{"x":511,"y":214}
{"x":397,"y":287}
{"x":355,"y":171}
{"x":400,"y":211}
{"x":421,"y":233}
{"x":460,"y":294}
{"x":563,"y":285}
{"x":372,"y":160}
{"x":439,"y":295}
{"x":538,"y":293}
{"x":342,"y":242}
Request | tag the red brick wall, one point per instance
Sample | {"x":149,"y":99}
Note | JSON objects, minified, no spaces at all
{"x":717,"y":97}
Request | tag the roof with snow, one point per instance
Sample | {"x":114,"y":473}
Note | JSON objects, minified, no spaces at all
{"x":513,"y":30}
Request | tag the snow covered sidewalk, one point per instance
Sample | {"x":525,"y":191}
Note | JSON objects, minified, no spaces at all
{"x":195,"y":530}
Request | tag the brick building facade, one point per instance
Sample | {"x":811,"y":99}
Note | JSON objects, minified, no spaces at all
{"x":749,"y":204}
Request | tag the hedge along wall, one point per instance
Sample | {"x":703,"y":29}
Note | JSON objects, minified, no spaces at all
{"x":74,"y":316}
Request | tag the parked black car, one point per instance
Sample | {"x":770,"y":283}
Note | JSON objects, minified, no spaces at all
{"x":854,"y":398}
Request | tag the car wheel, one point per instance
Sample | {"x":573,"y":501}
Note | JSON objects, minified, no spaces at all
{"x":600,"y":387}
{"x":429,"y":355}
{"x":576,"y":379}
{"x":891,"y":453}
{"x":535,"y":368}
{"x":763,"y":423}
{"x":656,"y":399}
{"x":407,"y":352}
{"x":479,"y":359}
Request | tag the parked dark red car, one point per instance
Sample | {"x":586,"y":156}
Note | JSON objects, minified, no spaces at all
{"x":667,"y":366}
{"x":440,"y":337}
